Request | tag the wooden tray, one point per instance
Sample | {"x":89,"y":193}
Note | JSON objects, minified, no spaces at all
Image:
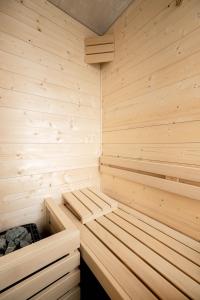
{"x":89,"y":204}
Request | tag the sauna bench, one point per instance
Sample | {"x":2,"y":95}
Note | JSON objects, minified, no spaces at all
{"x":136,"y":257}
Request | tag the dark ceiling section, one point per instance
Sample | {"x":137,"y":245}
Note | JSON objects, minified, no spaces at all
{"x":98,"y":15}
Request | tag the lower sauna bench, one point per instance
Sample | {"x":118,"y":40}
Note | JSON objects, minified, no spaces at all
{"x":47,"y":269}
{"x":136,"y":257}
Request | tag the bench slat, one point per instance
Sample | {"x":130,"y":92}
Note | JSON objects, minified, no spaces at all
{"x":174,"y":275}
{"x":129,"y":283}
{"x":79,"y":209}
{"x":86,"y":205}
{"x":186,"y":240}
{"x":126,"y":249}
{"x":113,"y":203}
{"x":101,"y":203}
{"x":162,"y":237}
{"x":158,"y":284}
{"x":166,"y":253}
{"x":87,"y":201}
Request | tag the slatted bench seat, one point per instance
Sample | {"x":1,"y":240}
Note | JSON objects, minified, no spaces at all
{"x":136,"y":257}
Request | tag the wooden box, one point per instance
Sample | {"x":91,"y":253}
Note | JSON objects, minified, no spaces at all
{"x":47,"y":269}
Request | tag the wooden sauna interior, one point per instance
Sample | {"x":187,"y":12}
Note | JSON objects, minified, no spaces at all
{"x":129,"y":127}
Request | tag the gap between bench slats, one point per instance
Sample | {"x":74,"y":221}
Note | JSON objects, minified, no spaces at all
{"x":93,"y":207}
{"x":180,"y":248}
{"x":158,"y":284}
{"x":171,"y":256}
{"x":100,"y":202}
{"x":148,"y":249}
{"x":189,"y":242}
{"x":128,"y":286}
{"x":167,"y":270}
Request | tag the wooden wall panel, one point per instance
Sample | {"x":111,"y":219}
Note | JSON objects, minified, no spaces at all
{"x":173,"y":210}
{"x":49,"y":109}
{"x":151,"y":103}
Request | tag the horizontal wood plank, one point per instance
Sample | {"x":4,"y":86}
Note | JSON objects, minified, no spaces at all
{"x":60,"y":244}
{"x":74,"y":294}
{"x":41,"y":279}
{"x":179,"y":188}
{"x":100,"y":258}
{"x":163,"y":237}
{"x":179,"y":171}
{"x":148,"y":275}
{"x":60,"y":287}
{"x":124,"y":245}
{"x":99,"y":49}
{"x":99,"y":58}
{"x":76,"y":206}
{"x":192,"y":270}
{"x":100,"y":202}
{"x":105,"y":39}
{"x":175,"y":276}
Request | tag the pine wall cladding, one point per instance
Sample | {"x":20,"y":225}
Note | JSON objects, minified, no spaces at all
{"x":49,"y":109}
{"x":151,"y":103}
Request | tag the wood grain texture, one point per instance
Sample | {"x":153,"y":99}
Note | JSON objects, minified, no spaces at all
{"x":89,"y":204}
{"x":45,"y":266}
{"x":60,"y":287}
{"x":174,"y":210}
{"x":99,"y":49}
{"x":99,"y":40}
{"x":42,"y":279}
{"x":74,"y":294}
{"x":133,"y":255}
{"x":151,"y":106}
{"x":37,"y":256}
{"x":49,"y":109}
{"x":170,"y":185}
{"x":99,"y":58}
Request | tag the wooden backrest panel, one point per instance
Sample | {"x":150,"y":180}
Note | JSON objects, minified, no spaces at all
{"x":131,"y":170}
{"x":122,"y":176}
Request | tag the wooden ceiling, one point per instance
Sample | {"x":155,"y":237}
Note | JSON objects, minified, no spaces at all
{"x":98,"y":15}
